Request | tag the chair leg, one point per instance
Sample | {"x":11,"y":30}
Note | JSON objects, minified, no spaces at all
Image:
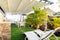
{"x":47,"y":39}
{"x":55,"y":37}
{"x":25,"y":38}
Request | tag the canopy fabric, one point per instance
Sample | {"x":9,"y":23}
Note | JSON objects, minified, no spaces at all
{"x":19,"y":6}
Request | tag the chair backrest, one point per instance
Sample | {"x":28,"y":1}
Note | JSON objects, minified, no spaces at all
{"x":31,"y":35}
{"x":43,"y":35}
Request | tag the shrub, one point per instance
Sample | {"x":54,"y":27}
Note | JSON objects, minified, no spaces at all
{"x":36,"y":18}
{"x":54,"y":22}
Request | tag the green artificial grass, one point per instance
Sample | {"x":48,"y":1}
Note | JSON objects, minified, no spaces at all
{"x":17,"y":33}
{"x":53,"y":38}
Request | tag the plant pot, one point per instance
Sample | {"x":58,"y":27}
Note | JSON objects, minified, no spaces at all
{"x":37,"y":26}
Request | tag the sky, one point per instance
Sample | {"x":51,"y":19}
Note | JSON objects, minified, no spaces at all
{"x":55,"y":1}
{"x":55,"y":7}
{"x":50,"y":0}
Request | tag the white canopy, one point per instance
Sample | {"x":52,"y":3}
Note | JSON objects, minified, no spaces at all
{"x":19,"y":6}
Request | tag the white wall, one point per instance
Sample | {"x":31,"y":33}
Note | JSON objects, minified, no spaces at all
{"x":13,"y":18}
{"x":1,"y":16}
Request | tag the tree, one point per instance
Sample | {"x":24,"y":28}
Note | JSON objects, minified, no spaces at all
{"x":36,"y":18}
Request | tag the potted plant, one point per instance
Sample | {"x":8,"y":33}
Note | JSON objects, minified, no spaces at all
{"x":36,"y":18}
